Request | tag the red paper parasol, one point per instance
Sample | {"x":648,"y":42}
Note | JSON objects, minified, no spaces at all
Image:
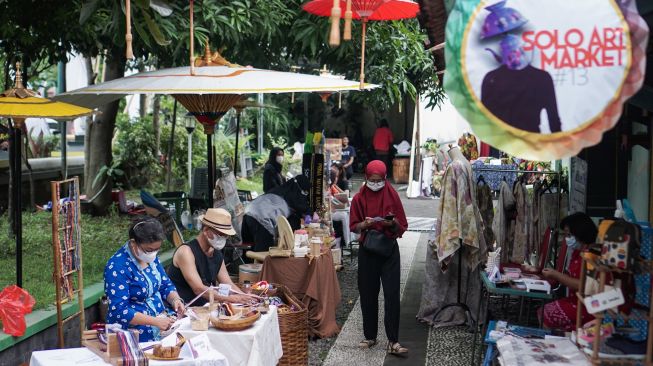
{"x":360,"y":9}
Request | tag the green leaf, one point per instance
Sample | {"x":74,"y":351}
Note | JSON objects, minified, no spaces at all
{"x":88,"y":8}
{"x":155,"y":30}
{"x":162,"y":7}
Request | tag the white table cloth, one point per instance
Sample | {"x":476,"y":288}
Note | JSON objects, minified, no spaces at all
{"x":84,"y":356}
{"x":259,"y":345}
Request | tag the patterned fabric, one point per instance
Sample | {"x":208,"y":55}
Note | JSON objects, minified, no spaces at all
{"x":494,"y":177}
{"x":132,"y":290}
{"x":458,"y":217}
{"x":519,"y":250}
{"x":501,"y":224}
{"x":486,"y":208}
{"x":561,"y":314}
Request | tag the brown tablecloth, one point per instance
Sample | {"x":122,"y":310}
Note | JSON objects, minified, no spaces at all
{"x":315,"y":284}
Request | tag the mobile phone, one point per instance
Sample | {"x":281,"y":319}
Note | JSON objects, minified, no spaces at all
{"x":389,"y":217}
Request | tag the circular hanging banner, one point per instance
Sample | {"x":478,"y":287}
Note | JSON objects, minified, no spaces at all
{"x":541,"y":80}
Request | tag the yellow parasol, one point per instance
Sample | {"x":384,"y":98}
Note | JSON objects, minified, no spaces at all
{"x":19,"y":103}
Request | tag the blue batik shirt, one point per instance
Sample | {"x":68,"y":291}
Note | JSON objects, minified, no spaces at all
{"x":132,"y":289}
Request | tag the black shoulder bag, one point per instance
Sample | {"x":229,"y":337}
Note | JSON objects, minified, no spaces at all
{"x":378,"y":243}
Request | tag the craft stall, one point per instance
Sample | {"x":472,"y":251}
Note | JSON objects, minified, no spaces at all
{"x":305,"y":260}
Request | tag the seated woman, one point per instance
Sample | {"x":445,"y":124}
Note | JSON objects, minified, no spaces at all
{"x":341,"y":177}
{"x":339,"y":200}
{"x":199,"y":263}
{"x":260,"y":221}
{"x":579,"y":232}
{"x":137,"y":285}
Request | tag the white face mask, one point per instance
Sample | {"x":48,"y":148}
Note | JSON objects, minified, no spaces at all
{"x":280,"y":159}
{"x":571,"y":242}
{"x":375,"y":186}
{"x":146,"y":257}
{"x":217,"y":242}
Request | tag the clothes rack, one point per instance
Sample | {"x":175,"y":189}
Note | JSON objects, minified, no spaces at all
{"x":558,"y":180}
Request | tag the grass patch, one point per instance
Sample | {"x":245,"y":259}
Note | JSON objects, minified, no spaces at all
{"x":255,"y":184}
{"x":101,"y":237}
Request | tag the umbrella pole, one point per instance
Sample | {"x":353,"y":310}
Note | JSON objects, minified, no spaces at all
{"x":211,"y":169}
{"x":18,"y":219}
{"x":236,"y":146}
{"x":362,"y":74}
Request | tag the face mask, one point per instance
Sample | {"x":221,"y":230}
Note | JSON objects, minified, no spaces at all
{"x":218,"y":242}
{"x":571,"y":242}
{"x":280,"y":159}
{"x":146,"y":257}
{"x":375,"y":186}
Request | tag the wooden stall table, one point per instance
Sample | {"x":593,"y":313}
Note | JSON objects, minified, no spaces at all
{"x":315,"y":283}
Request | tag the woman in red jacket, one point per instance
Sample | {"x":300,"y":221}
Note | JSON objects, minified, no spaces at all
{"x":377,"y":207}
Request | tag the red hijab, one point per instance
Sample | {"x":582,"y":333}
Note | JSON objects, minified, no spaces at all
{"x":368,"y":203}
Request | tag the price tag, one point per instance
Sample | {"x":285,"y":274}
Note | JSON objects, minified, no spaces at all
{"x":224,"y":289}
{"x":603,"y":301}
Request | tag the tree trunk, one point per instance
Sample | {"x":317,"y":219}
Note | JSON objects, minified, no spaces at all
{"x":99,"y":136}
{"x":156,"y":109}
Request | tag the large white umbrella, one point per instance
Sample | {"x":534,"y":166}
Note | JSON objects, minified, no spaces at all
{"x":208,"y":90}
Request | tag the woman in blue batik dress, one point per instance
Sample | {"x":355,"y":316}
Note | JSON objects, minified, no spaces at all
{"x":136,"y":283}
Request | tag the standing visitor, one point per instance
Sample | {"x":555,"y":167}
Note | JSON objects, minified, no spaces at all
{"x":378,"y":215}
{"x":199,"y":263}
{"x":348,"y":155}
{"x":272,"y":176}
{"x":137,"y":285}
{"x":382,"y":142}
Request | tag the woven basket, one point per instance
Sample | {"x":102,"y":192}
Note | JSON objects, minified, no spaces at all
{"x":294,"y":330}
{"x":234,"y":325}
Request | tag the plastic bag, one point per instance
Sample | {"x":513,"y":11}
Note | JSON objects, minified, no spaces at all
{"x":14,"y":304}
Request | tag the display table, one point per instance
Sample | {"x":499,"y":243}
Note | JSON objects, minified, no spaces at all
{"x":259,"y":345}
{"x":490,"y":288}
{"x":315,"y":283}
{"x":84,"y":356}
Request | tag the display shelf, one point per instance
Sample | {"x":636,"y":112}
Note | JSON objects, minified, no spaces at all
{"x":602,"y":271}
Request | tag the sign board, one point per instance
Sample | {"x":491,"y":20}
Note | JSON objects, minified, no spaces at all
{"x":578,"y":185}
{"x":543,"y":79}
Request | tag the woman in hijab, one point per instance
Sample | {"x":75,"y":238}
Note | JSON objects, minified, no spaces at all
{"x":272,"y":177}
{"x":289,"y":200}
{"x":377,"y":207}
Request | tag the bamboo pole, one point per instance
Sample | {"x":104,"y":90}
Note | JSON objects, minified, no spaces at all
{"x":80,"y":270}
{"x":129,"y":52}
{"x":56,"y":256}
{"x":362,"y":73}
{"x":348,"y":16}
{"x":334,"y":35}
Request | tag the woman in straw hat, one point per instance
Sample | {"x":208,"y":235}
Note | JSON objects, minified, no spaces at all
{"x":199,"y":263}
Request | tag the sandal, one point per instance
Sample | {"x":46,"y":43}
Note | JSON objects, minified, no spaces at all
{"x":367,"y":343}
{"x":396,"y":349}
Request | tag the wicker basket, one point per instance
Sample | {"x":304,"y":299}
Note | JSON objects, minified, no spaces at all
{"x":234,"y":325}
{"x":294,"y":330}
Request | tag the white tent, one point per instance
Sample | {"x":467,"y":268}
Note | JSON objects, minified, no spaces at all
{"x":442,"y":123}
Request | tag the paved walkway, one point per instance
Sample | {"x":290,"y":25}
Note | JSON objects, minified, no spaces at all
{"x":437,"y":347}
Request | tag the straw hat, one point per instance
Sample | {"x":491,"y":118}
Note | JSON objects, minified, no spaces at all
{"x":218,"y":219}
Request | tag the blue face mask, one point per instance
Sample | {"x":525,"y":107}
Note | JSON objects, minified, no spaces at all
{"x":571,"y":242}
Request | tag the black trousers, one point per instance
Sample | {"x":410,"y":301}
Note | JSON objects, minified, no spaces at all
{"x":374,"y":270}
{"x":253,"y":232}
